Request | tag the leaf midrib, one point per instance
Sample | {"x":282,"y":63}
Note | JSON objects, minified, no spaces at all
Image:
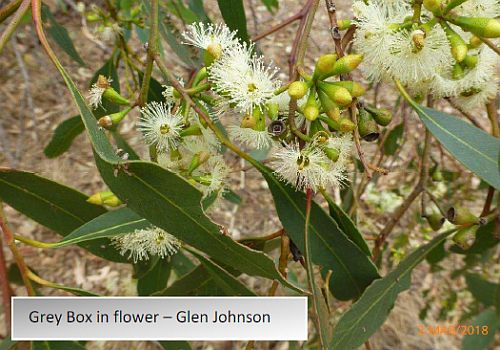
{"x":42,"y":199}
{"x":92,"y":235}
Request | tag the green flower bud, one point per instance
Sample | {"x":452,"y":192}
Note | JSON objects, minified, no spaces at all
{"x":458,"y":72}
{"x":452,"y":4}
{"x":344,"y":24}
{"x":272,"y":110}
{"x":346,"y":64}
{"x":475,"y":42}
{"x":298,"y":89}
{"x":471,"y":61}
{"x":367,"y":127}
{"x":325,"y":65}
{"x":433,"y":6}
{"x":331,"y":109}
{"x":311,"y":108}
{"x":337,"y":94}
{"x":113,"y":96}
{"x":346,"y":125}
{"x":436,"y":174}
{"x":197,"y":160}
{"x":332,"y":153}
{"x":462,"y":216}
{"x":355,"y":89}
{"x":112,"y":120}
{"x":191,"y":130}
{"x":105,"y":198}
{"x":92,"y":17}
{"x":465,"y":237}
{"x":435,"y":220}
{"x":383,"y":117}
{"x":480,"y":26}
{"x":459,"y":47}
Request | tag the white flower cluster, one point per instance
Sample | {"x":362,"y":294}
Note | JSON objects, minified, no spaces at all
{"x":309,"y":167}
{"x":394,"y":48}
{"x":141,"y":244}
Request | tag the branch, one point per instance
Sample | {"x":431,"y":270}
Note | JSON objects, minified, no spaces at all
{"x":9,"y":240}
{"x":334,"y":28}
{"x":491,"y":45}
{"x":9,"y":9}
{"x":152,"y":51}
{"x":12,"y":26}
{"x":283,"y":24}
{"x":466,"y":114}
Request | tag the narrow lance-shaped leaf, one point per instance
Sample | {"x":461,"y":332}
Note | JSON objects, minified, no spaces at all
{"x":352,"y":270}
{"x":226,"y":281}
{"x":197,"y":282}
{"x":233,"y":13}
{"x":371,"y":310}
{"x":347,"y":226}
{"x":482,"y":339}
{"x":53,"y":205}
{"x":64,"y":135}
{"x":481,"y":289}
{"x":167,"y":200}
{"x":475,"y":149}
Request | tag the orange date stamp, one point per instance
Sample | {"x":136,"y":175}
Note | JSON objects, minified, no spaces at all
{"x":451,"y":329}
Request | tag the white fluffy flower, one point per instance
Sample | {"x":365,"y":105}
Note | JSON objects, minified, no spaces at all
{"x":307,"y":168}
{"x":140,"y":244}
{"x":343,"y":144}
{"x":219,"y":173}
{"x":480,"y":96}
{"x":249,"y":137}
{"x":375,"y":34}
{"x":203,"y":35}
{"x":168,"y":92}
{"x":409,"y":55}
{"x":479,"y":8}
{"x":97,"y":90}
{"x":486,"y":67}
{"x":244,"y":80}
{"x":160,"y":126}
{"x":410,"y":63}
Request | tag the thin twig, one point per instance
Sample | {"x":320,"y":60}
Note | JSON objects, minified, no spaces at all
{"x":357,"y":142}
{"x":491,"y":45}
{"x":9,"y":9}
{"x":334,"y":28}
{"x":9,"y":240}
{"x":6,"y":291}
{"x":14,"y":23}
{"x":153,"y":49}
{"x":282,"y":24}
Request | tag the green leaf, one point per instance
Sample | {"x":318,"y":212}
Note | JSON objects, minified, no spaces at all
{"x":60,"y":208}
{"x":481,"y":289}
{"x":155,"y":92}
{"x":479,"y":341}
{"x":352,"y":270}
{"x":197,"y":7}
{"x":347,"y":226}
{"x":184,"y":13}
{"x":271,"y":4}
{"x":107,"y":225}
{"x":156,"y":280}
{"x":7,"y":343}
{"x":63,"y":136}
{"x":175,"y":345}
{"x":198,"y":282}
{"x":226,"y":281}
{"x":61,"y":36}
{"x":394,"y":139}
{"x":475,"y":149}
{"x":370,"y":311}
{"x":233,"y":13}
{"x":68,"y":130}
{"x":167,"y":200}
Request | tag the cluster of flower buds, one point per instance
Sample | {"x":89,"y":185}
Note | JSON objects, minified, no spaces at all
{"x":466,"y":222}
{"x":109,"y":25}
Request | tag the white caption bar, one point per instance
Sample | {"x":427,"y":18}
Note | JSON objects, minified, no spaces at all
{"x":159,"y":318}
